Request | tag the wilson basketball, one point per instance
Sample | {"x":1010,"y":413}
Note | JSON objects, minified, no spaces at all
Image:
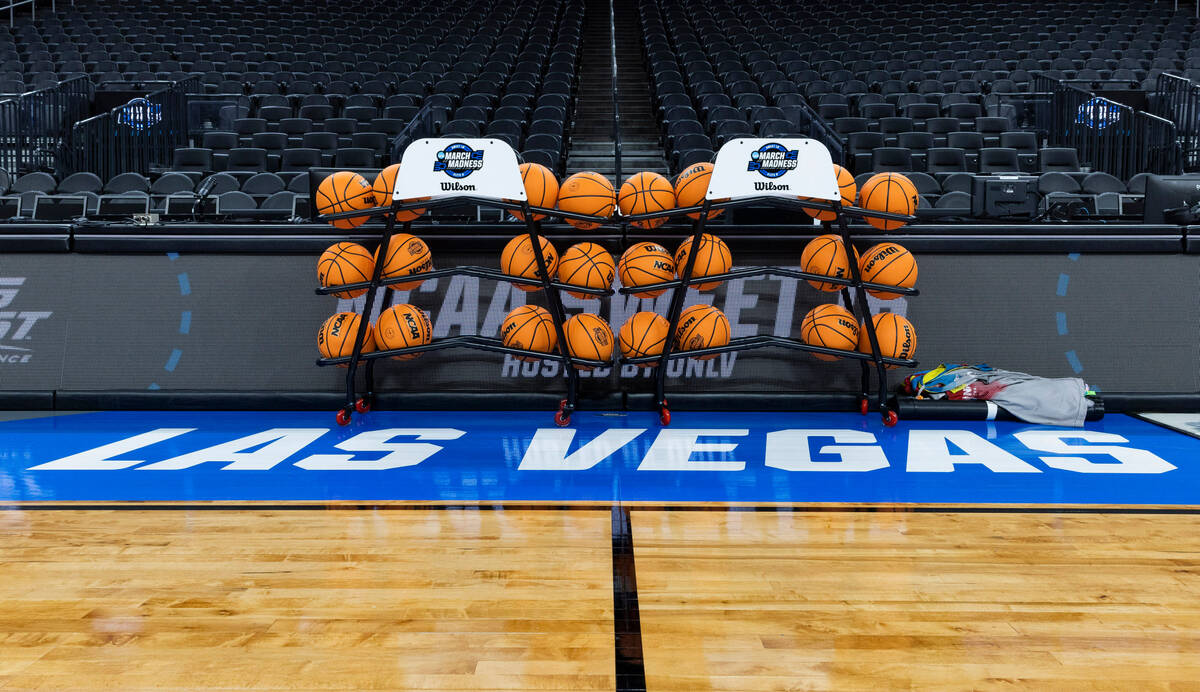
{"x":691,"y":187}
{"x":712,"y":258}
{"x":385,"y":184}
{"x":531,"y":328}
{"x":702,"y":326}
{"x":831,"y":326}
{"x":342,"y":192}
{"x":646,"y":193}
{"x":897,"y":337}
{"x":646,"y":264}
{"x":587,"y":265}
{"x":517,"y":259}
{"x":541,"y":188}
{"x":588,"y":337}
{"x":402,"y":326}
{"x":587,"y":193}
{"x":345,"y":263}
{"x":892,"y":193}
{"x":846,"y":187}
{"x":825,"y":255}
{"x":406,"y":255}
{"x":643,"y":334}
{"x":336,"y":337}
{"x":890,"y":264}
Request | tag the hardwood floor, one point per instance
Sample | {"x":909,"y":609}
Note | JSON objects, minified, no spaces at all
{"x":894,"y":600}
{"x":414,"y":599}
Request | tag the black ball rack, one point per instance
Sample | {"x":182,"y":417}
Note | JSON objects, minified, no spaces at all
{"x":852,"y":287}
{"x":360,"y":401}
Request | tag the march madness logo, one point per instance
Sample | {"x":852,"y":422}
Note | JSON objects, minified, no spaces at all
{"x":458,"y":161}
{"x":140,"y":114}
{"x":773,"y":160}
{"x":16,"y":325}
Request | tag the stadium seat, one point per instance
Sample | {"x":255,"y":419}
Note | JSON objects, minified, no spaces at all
{"x":1060,"y":159}
{"x":80,"y":182}
{"x":127,"y":182}
{"x":998,"y":160}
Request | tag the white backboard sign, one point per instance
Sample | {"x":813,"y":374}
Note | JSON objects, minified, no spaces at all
{"x":773,"y":167}
{"x":450,"y":167}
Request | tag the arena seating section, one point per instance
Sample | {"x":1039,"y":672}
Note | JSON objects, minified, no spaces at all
{"x":906,"y":87}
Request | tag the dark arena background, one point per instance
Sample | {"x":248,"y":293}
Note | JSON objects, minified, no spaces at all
{"x":277,"y":410}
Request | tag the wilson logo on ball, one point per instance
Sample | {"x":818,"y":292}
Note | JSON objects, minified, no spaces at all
{"x":772,"y":160}
{"x":458,"y":160}
{"x":882,"y":254}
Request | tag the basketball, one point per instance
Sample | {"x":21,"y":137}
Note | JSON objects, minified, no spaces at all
{"x":541,"y":188}
{"x":587,"y":193}
{"x":531,"y":328}
{"x":406,"y":255}
{"x":846,"y":187}
{"x":587,"y":265}
{"x":336,"y":336}
{"x":692,"y":185}
{"x":831,"y":326}
{"x":643,"y":334}
{"x":345,"y":191}
{"x":891,"y":264}
{"x":826,"y":256}
{"x":897,"y":337}
{"x":702,"y":326}
{"x":345,"y":263}
{"x":646,"y":193}
{"x":402,"y":326}
{"x":888,"y":192}
{"x":646,"y":264}
{"x":588,"y":337}
{"x":713,"y":258}
{"x":517,"y":259}
{"x":385,"y":184}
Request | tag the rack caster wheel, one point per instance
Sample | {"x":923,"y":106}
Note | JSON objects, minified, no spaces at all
{"x":363,"y":405}
{"x":343,"y":416}
{"x":890,"y":418}
{"x":562,"y":419}
{"x":864,"y":406}
{"x":664,"y":416}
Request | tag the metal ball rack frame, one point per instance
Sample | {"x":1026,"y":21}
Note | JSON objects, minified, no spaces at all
{"x":853,"y":291}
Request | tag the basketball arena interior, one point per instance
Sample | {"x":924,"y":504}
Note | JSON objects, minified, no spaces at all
{"x":600,"y":345}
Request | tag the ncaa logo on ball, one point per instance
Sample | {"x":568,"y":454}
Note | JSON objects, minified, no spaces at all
{"x":773,"y":160}
{"x":458,"y":160}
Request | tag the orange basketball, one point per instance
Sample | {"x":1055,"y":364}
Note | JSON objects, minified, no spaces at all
{"x":644,"y":334}
{"x":345,"y":191}
{"x":587,"y":193}
{"x":826,"y":256}
{"x":702,"y":326}
{"x":588,"y":337}
{"x":403,"y":326}
{"x":897,"y":337}
{"x":713,"y":258}
{"x":517,"y":259}
{"x":406,"y":255}
{"x":385,"y":184}
{"x":691,"y":187}
{"x":890,"y":264}
{"x":646,"y":264}
{"x":831,"y":326}
{"x":846,"y":187}
{"x":336,"y":336}
{"x":541,"y":188}
{"x":531,"y":328}
{"x":345,"y":263}
{"x":888,"y":192}
{"x":646,"y":193}
{"x":587,"y":265}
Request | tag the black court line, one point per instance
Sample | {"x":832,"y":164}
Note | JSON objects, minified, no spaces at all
{"x":627,"y":621}
{"x":518,"y":506}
